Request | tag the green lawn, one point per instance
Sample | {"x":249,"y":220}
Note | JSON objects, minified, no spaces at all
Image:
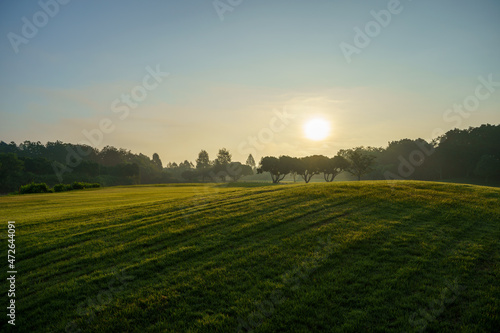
{"x":336,"y":257}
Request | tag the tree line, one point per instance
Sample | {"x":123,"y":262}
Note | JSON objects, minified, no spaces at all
{"x":222,"y":168}
{"x":58,"y":162}
{"x":353,"y":161}
{"x":467,"y":153}
{"x":457,"y":154}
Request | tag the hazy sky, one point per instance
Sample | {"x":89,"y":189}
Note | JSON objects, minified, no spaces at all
{"x":247,"y":74}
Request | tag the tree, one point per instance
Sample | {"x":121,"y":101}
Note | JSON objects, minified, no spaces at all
{"x":408,"y":159}
{"x":128,"y":170}
{"x":219,"y":171}
{"x":309,"y":166}
{"x":360,"y":163}
{"x":186,"y":165}
{"x":459,"y":155}
{"x":221,"y":164}
{"x":189,"y":175}
{"x":488,"y":166}
{"x":110,"y":156}
{"x":88,"y":168}
{"x":223,"y":157}
{"x":333,"y":167}
{"x":31,"y":149}
{"x":157,"y":161}
{"x":203,"y":161}
{"x":236,"y":170}
{"x":40,"y":165}
{"x":56,"y":151}
{"x":250,"y":161}
{"x":8,"y":148}
{"x":203,"y":164}
{"x":11,"y":169}
{"x":277,"y":167}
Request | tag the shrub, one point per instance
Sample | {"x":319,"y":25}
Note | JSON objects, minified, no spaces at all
{"x":62,"y":187}
{"x":78,"y":186}
{"x":34,"y":188}
{"x":75,"y":186}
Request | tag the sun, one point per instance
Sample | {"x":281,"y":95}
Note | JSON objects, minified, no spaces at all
{"x":317,"y":129}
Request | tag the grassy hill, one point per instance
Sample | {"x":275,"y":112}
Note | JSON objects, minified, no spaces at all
{"x":339,"y":257}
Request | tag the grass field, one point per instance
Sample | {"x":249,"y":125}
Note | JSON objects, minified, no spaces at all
{"x":337,"y":257}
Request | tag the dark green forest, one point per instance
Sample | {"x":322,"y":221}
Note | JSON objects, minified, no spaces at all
{"x":472,"y":153}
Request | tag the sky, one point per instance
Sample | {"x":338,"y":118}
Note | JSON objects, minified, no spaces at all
{"x":175,"y":77}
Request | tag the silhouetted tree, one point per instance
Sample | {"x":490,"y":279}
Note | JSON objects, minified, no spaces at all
{"x":250,"y":161}
{"x":223,"y":157}
{"x":360,"y":163}
{"x":219,"y":171}
{"x":333,"y":167}
{"x":487,"y":167}
{"x":110,"y":156}
{"x":203,"y":161}
{"x":11,"y":169}
{"x":236,"y":170}
{"x":309,"y":166}
{"x":277,"y":167}
{"x":459,"y":153}
{"x":203,"y":164}
{"x":221,"y":163}
{"x":157,"y":161}
{"x":8,"y":147}
{"x":31,"y":149}
{"x":88,"y":168}
{"x":186,"y":165}
{"x":189,"y":175}
{"x":37,"y":165}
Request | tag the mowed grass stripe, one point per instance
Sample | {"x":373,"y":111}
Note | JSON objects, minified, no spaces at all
{"x":394,"y":251}
{"x":97,"y":232}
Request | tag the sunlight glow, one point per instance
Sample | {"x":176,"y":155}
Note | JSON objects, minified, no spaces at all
{"x":317,"y":129}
